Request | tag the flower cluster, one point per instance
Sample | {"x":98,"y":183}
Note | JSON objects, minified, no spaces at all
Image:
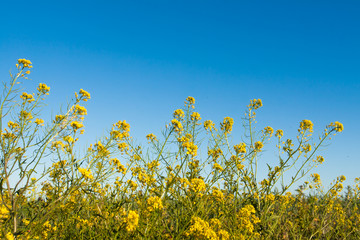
{"x":23,"y":63}
{"x":338,"y":127}
{"x":240,"y":148}
{"x":131,"y":221}
{"x":306,"y":125}
{"x":209,"y":125}
{"x":255,"y":104}
{"x":227,"y":125}
{"x":43,"y":88}
{"x":86,"y":173}
{"x":154,"y":203}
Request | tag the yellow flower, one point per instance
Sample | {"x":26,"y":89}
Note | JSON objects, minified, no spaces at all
{"x":217,"y":166}
{"x":269,"y":130}
{"x":307,"y":148}
{"x":218,"y":195}
{"x":123,"y":146}
{"x":26,"y":115}
{"x":25,"y":63}
{"x":259,"y":145}
{"x":209,"y":125}
{"x":43,"y":88}
{"x":279,"y":133}
{"x":102,"y":150}
{"x":76,"y":125}
{"x":132,"y":221}
{"x":255,"y":104}
{"x":123,"y":126}
{"x":195,"y":116}
{"x":59,"y":118}
{"x":215,"y":153}
{"x":154,"y":203}
{"x":306,"y":124}
{"x":119,"y":166}
{"x":270,"y":197}
{"x":179,"y":113}
{"x":177,"y":125}
{"x":200,"y":229}
{"x":197,"y":185}
{"x":13,"y":125}
{"x":240,"y":148}
{"x":223,"y":234}
{"x":86,"y":173}
{"x":84,"y":95}
{"x":191,"y":148}
{"x":190,"y":100}
{"x":227,"y":125}
{"x":337,"y":126}
{"x":39,"y":121}
{"x":80,"y":110}
{"x":342,"y":178}
{"x":320,"y":159}
{"x":132,"y":184}
{"x":57,"y":144}
{"x":316,"y":177}
{"x":3,"y":211}
{"x":9,"y":236}
{"x":68,"y":139}
{"x":151,"y":137}
{"x":153,"y":164}
{"x":27,"y":97}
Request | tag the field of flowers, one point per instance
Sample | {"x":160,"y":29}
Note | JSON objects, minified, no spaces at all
{"x":162,"y":189}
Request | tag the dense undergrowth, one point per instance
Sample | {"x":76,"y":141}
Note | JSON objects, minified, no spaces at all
{"x":164,"y":189}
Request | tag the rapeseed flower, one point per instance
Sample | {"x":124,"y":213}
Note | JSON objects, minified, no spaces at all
{"x":195,"y":116}
{"x":320,"y":159}
{"x":337,"y":126}
{"x":255,"y":104}
{"x":9,"y":236}
{"x":201,"y":229}
{"x":39,"y":122}
{"x":151,"y":137}
{"x":215,"y":153}
{"x":13,"y":125}
{"x":86,"y":173}
{"x":24,"y":63}
{"x":84,"y":94}
{"x":269,"y":130}
{"x":306,"y":124}
{"x":190,"y":100}
{"x":43,"y":88}
{"x":227,"y":125}
{"x":123,"y":125}
{"x":258,"y":146}
{"x":179,"y":113}
{"x":76,"y":125}
{"x":191,"y":148}
{"x":132,"y":221}
{"x":240,"y":148}
{"x":27,"y":97}
{"x":123,"y":146}
{"x":197,"y":185}
{"x":209,"y":125}
{"x":279,"y":133}
{"x":217,"y":166}
{"x":177,"y":125}
{"x":80,"y":110}
{"x":154,"y":203}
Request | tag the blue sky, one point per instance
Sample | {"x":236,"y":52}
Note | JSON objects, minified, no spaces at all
{"x":141,"y":59}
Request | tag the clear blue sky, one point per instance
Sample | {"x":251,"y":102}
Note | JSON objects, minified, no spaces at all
{"x":141,"y":59}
